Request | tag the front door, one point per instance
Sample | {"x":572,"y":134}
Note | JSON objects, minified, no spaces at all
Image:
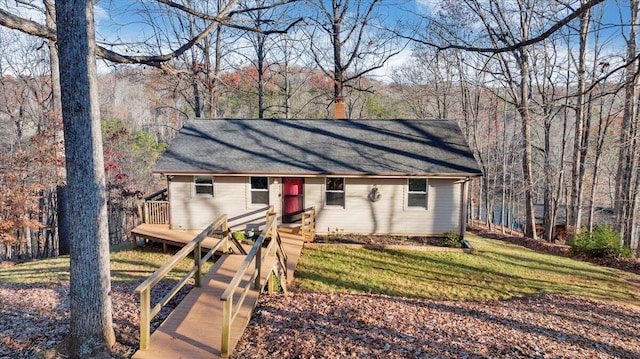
{"x":293,"y":199}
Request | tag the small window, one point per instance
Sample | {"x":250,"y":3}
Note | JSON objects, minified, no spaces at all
{"x":259,"y":190}
{"x":417,"y":194}
{"x":335,"y":192}
{"x":203,"y":185}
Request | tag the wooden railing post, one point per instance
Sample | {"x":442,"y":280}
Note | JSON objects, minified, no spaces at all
{"x":256,"y":284}
{"x":227,"y":306}
{"x":197,"y":257}
{"x":226,"y":233}
{"x":145,"y":320}
{"x":145,"y":212}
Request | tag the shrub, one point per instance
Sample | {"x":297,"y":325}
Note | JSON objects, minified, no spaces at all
{"x":603,"y":242}
{"x":238,"y":236}
{"x":451,"y":239}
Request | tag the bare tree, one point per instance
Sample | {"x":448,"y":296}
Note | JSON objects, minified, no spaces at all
{"x":628,"y":158}
{"x":358,"y":43}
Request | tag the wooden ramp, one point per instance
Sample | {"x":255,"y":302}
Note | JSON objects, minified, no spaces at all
{"x":194,"y":328}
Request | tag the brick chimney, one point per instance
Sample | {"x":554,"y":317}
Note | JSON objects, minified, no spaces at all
{"x":340,"y":110}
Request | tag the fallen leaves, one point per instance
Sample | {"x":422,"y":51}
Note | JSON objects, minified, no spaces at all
{"x":321,"y":325}
{"x":34,"y":320}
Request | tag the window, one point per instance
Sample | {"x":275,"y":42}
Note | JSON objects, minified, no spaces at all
{"x":335,"y":192}
{"x":259,"y":190}
{"x":417,"y":194}
{"x":203,"y":185}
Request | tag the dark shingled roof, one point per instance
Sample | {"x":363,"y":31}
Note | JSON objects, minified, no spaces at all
{"x":309,"y":147}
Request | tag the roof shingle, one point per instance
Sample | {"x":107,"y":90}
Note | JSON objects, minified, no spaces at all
{"x":320,"y":147}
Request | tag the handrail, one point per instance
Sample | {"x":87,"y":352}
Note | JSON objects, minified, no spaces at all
{"x":161,"y":193}
{"x":308,"y":224}
{"x":257,"y":255}
{"x":156,"y":212}
{"x":144,"y":289}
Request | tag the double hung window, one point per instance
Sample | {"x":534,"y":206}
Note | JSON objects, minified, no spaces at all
{"x":203,"y":185}
{"x":335,"y":191}
{"x":260,"y":190}
{"x":417,"y":193}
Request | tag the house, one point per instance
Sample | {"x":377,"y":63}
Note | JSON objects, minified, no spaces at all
{"x":362,"y":176}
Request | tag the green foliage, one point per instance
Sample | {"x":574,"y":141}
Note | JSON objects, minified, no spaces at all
{"x":603,"y":242}
{"x":451,"y":239}
{"x":238,"y":236}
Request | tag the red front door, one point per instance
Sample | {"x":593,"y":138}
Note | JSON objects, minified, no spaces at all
{"x":293,"y":199}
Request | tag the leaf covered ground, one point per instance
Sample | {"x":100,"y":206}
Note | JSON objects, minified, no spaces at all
{"x":579,"y":311}
{"x":345,"y":325}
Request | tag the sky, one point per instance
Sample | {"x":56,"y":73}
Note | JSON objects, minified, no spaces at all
{"x":121,"y":21}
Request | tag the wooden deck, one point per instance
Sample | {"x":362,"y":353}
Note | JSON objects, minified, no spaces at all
{"x":194,"y":328}
{"x":162,"y":234}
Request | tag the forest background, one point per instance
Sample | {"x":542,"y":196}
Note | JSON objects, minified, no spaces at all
{"x":548,"y":108}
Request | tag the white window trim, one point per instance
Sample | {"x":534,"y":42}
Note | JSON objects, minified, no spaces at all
{"x":426,"y":195}
{"x":344,"y":191}
{"x":195,"y":192}
{"x":251,"y":190}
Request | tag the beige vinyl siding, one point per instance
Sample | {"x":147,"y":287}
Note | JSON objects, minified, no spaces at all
{"x":231,"y":196}
{"x":390,"y":214}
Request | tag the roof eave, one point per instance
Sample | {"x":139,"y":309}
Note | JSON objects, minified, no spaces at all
{"x":319,"y":174}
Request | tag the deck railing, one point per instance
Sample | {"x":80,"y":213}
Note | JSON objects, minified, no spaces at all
{"x":156,"y":212}
{"x":308,"y":227}
{"x":257,"y":260}
{"x":144,"y":289}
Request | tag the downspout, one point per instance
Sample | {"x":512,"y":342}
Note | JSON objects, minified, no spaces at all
{"x":463,"y":207}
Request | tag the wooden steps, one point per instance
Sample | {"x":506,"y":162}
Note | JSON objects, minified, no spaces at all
{"x":291,"y":232}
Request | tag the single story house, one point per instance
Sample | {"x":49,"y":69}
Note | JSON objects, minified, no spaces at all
{"x":362,"y":176}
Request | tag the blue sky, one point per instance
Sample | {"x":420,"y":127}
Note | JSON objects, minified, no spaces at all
{"x":118,"y":20}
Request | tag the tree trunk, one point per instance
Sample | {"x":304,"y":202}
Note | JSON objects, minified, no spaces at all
{"x":624,"y":177}
{"x":90,"y":286}
{"x":580,"y":143}
{"x":525,"y":114}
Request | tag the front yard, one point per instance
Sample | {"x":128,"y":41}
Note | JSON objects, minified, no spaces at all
{"x":505,"y":301}
{"x":498,"y":271}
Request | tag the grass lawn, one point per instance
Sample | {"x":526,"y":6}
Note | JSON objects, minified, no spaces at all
{"x":126,"y":265}
{"x":498,"y":271}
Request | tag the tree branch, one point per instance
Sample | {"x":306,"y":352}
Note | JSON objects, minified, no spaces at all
{"x":518,"y":45}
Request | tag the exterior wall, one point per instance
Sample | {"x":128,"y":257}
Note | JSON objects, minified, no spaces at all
{"x":231,"y":196}
{"x":389,"y":215}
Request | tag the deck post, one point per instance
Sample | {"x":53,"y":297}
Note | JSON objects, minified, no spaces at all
{"x":256,"y":283}
{"x":227,"y":306}
{"x":271,"y":283}
{"x":197,"y":257}
{"x":226,"y":233}
{"x":145,"y":308}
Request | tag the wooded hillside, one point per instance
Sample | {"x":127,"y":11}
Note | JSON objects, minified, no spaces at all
{"x":545,"y":92}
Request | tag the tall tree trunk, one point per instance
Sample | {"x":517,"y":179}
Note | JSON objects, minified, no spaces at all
{"x":338,"y":76}
{"x":580,"y":144}
{"x":625,"y":175}
{"x":90,"y":286}
{"x":215,"y":82}
{"x":525,"y":115}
